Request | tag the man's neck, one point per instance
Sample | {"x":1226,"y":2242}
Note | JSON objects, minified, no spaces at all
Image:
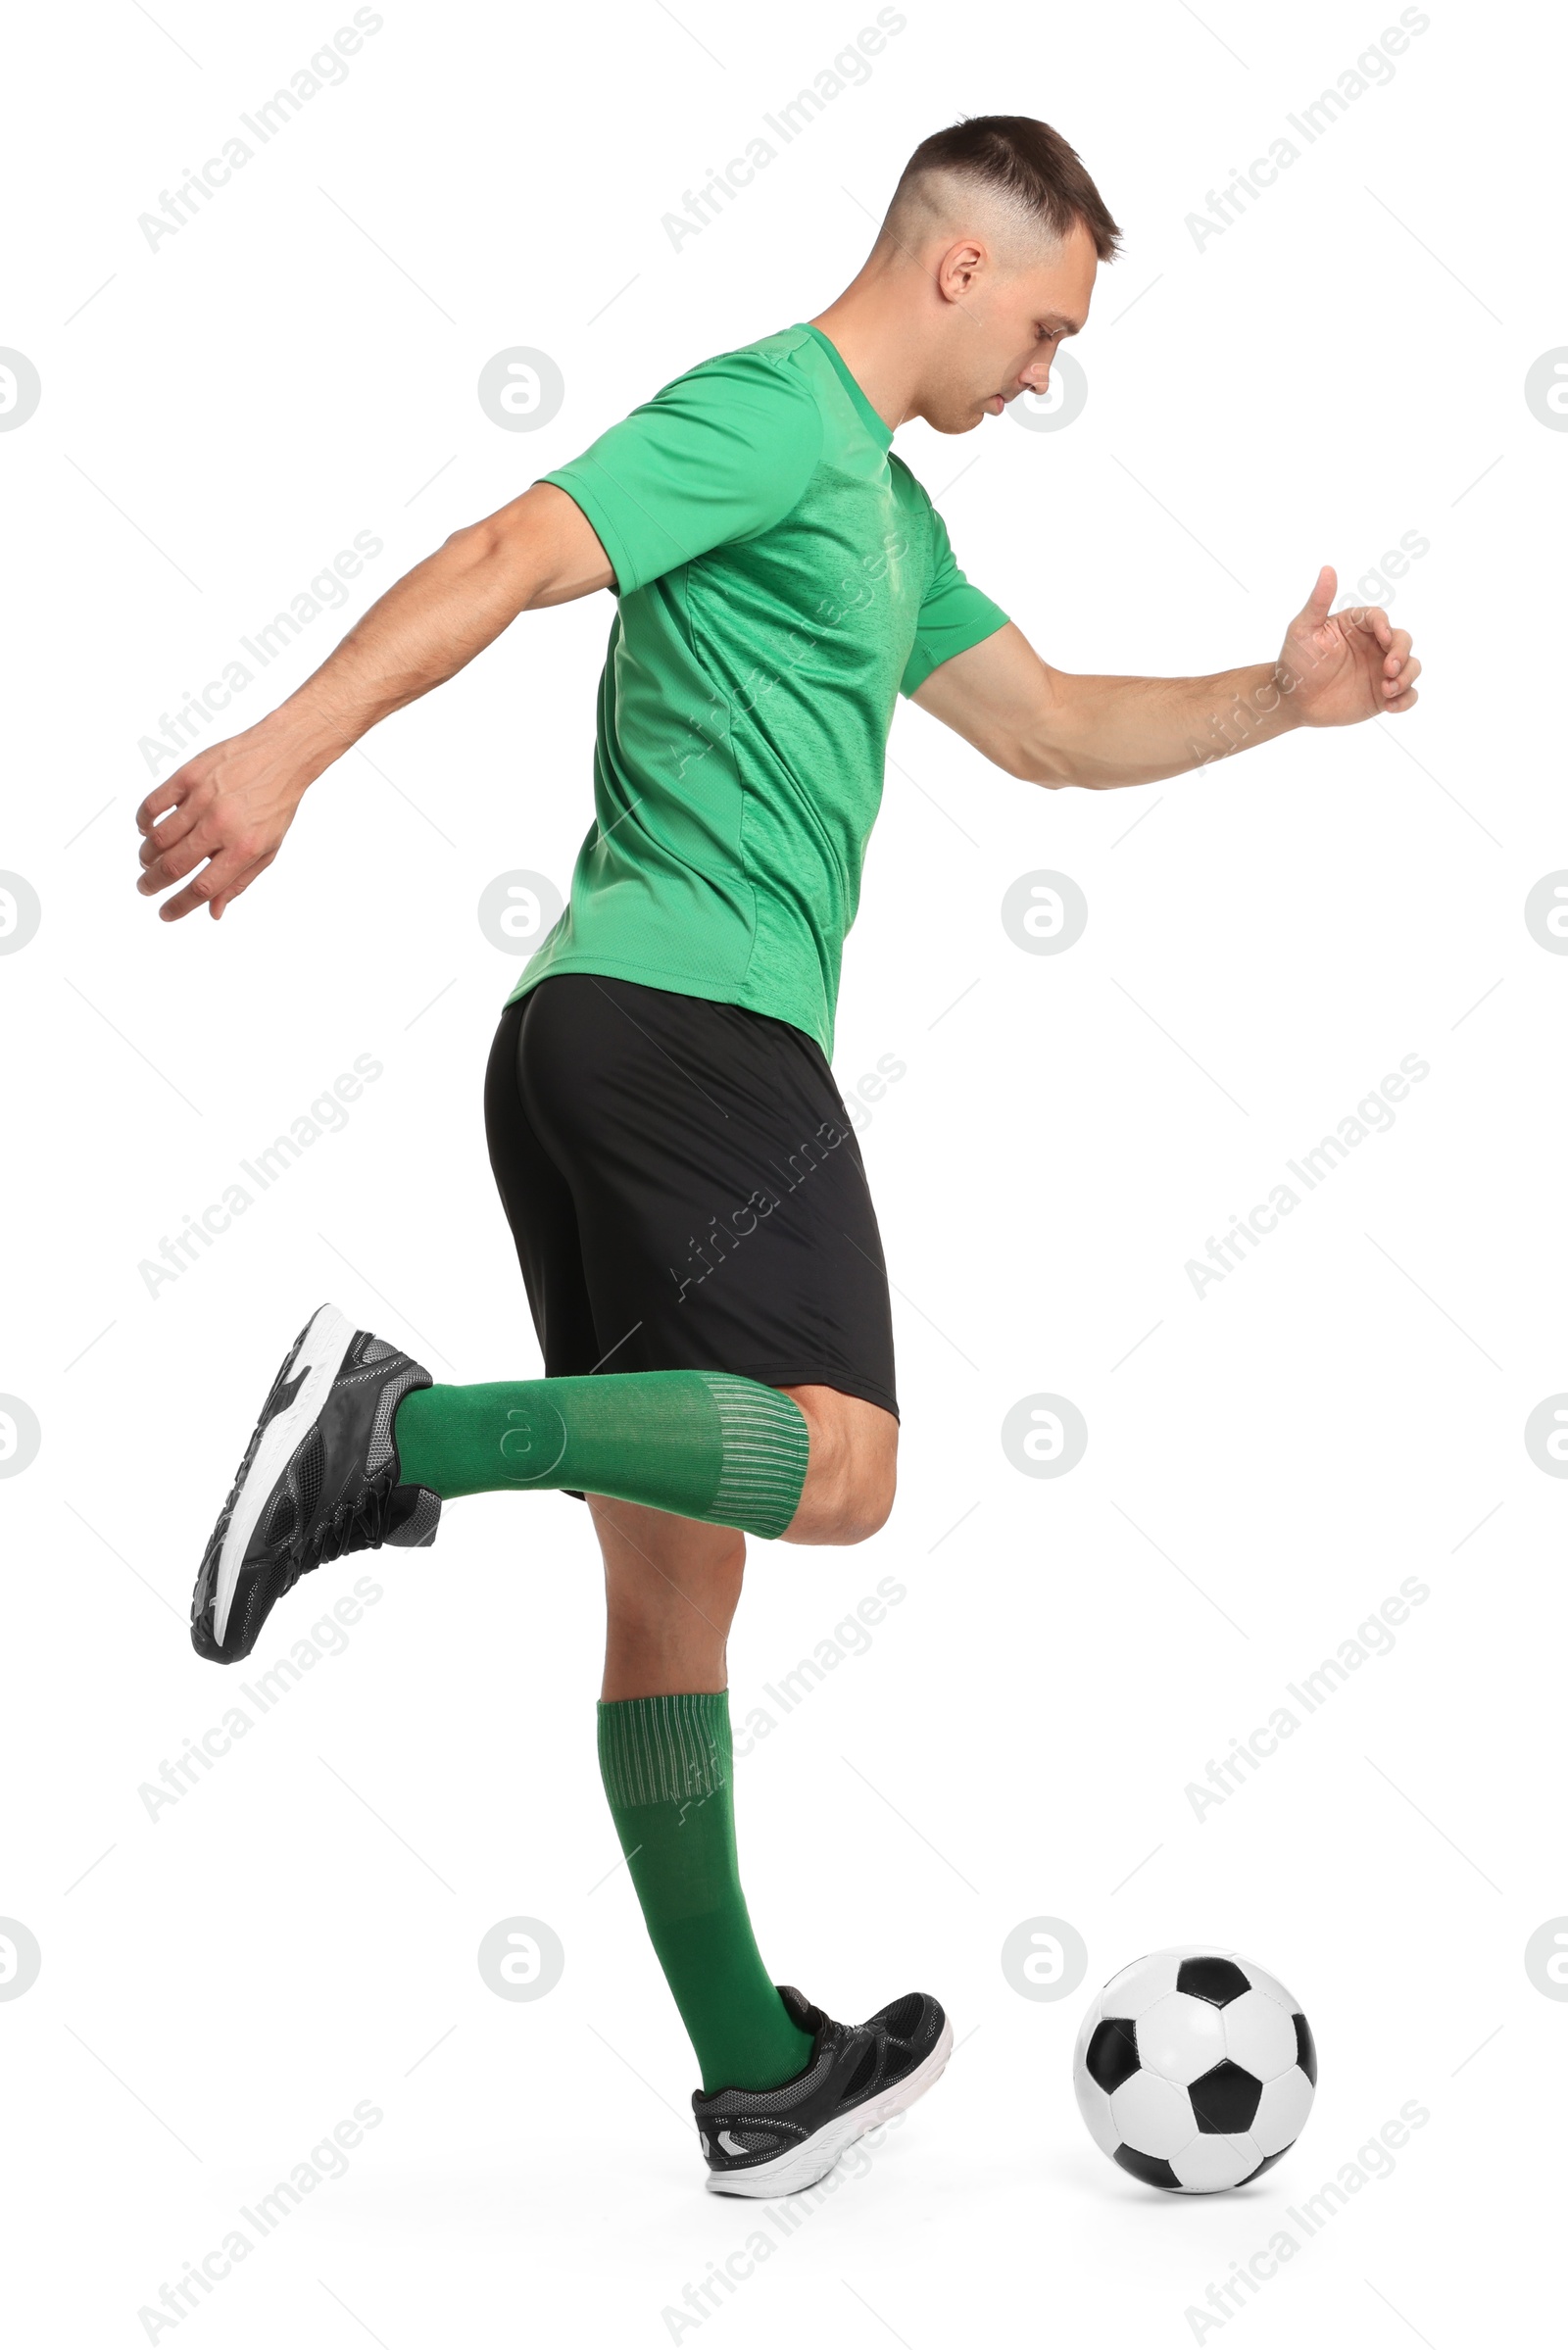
{"x":870,"y":328}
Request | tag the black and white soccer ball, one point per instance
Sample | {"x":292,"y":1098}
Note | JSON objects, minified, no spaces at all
{"x":1194,"y":2070}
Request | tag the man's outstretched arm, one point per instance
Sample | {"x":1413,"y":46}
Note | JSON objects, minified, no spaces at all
{"x":1047,"y":726}
{"x":227,"y":809}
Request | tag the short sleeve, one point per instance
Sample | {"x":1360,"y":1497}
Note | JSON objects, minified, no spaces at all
{"x":720,"y":454}
{"x":953,"y":615}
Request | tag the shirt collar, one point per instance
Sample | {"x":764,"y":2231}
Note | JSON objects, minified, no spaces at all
{"x":881,"y":434}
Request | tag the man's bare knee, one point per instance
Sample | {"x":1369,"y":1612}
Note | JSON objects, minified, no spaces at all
{"x":851,"y":1471}
{"x":862,"y":1509}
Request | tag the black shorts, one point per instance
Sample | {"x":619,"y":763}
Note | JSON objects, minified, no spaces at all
{"x":685,"y":1191}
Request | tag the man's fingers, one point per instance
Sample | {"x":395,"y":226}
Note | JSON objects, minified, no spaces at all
{"x":221,"y":860}
{"x":1405,"y":700}
{"x":225,"y":873}
{"x":220,"y":905}
{"x":157,"y":803}
{"x":172,"y":863}
{"x":175,"y":827}
{"x":204,"y":838}
{"x":164,"y":796}
{"x":1406,"y":676}
{"x":188,"y":903}
{"x":1373,"y":618}
{"x":1322,"y":596}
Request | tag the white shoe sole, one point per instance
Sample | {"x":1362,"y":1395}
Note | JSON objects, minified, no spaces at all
{"x":325,"y":1343}
{"x":803,"y":2166}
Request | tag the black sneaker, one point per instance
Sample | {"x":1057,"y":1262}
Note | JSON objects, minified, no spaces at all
{"x":776,"y":2141}
{"x":319,"y":1479}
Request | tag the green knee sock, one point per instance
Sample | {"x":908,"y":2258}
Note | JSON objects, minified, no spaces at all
{"x":700,"y":1444}
{"x":667,"y":1763}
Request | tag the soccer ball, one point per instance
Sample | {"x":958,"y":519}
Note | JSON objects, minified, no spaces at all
{"x":1194,"y":2070}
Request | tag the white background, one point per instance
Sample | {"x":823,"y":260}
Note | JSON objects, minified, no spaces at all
{"x":223,"y":1983}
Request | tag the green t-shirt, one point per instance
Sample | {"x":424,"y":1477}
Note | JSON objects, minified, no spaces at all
{"x":782,"y":576}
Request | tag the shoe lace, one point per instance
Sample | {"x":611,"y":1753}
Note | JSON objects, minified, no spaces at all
{"x":356,"y":1525}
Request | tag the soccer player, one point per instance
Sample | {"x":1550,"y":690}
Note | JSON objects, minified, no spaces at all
{"x":688,"y":1201}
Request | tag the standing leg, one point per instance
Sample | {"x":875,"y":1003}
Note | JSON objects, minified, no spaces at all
{"x":671,"y":1586}
{"x":670,"y":1589}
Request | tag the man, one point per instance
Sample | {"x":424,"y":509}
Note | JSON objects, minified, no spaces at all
{"x":687,"y":1200}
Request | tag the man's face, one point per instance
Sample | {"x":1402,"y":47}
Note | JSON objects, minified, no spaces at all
{"x":1006,"y":331}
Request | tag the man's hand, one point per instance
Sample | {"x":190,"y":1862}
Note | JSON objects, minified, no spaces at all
{"x":1342,"y":667}
{"x":227,"y":810}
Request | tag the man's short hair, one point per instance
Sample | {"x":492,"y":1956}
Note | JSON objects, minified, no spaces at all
{"x":1027,"y":164}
